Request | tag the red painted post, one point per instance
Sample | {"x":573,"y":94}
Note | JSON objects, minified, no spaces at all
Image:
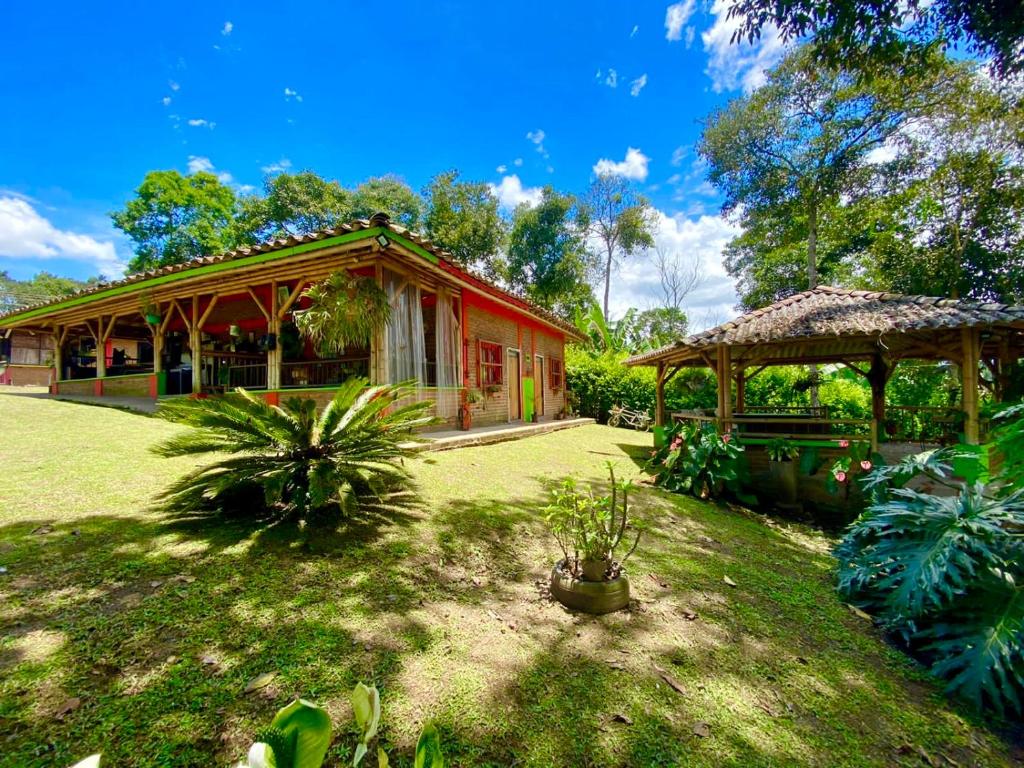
{"x":97,"y":387}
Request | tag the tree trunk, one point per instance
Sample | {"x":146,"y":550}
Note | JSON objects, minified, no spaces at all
{"x":607,"y":282}
{"x":812,"y":283}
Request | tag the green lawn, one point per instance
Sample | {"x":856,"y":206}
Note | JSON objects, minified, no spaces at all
{"x":125,"y":632}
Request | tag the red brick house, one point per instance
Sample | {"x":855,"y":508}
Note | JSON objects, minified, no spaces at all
{"x":224,"y":321}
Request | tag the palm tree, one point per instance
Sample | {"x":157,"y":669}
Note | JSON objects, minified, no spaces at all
{"x":305,"y":465}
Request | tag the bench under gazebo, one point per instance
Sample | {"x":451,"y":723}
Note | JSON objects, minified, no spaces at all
{"x":868,"y":332}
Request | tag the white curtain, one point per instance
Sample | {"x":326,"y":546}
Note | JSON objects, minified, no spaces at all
{"x":449,"y":338}
{"x":406,"y":348}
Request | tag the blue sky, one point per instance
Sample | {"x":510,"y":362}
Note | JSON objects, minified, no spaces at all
{"x":518,"y":95}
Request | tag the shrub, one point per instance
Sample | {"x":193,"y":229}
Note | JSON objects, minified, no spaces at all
{"x":590,"y":528}
{"x":946,"y":573}
{"x":302,"y":464}
{"x":695,"y":459}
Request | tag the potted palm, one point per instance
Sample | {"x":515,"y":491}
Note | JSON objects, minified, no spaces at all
{"x":470,"y":397}
{"x":782,"y":455}
{"x":149,"y":308}
{"x":589,"y":529}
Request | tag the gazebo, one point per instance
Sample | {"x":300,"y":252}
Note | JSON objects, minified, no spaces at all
{"x":869,"y":332}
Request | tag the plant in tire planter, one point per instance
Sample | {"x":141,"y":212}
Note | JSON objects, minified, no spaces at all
{"x":782,"y":455}
{"x":588,"y":529}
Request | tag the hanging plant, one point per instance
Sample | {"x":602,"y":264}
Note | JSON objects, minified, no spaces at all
{"x":345,"y":310}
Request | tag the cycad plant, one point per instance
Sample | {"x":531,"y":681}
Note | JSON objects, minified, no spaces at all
{"x":946,"y":572}
{"x":304,"y":464}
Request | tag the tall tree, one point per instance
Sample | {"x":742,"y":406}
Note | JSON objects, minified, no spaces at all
{"x":798,"y":144}
{"x":619,"y":220}
{"x":293,"y":204}
{"x":655,"y":328}
{"x":878,"y":34}
{"x":546,"y":255}
{"x":462,"y":217}
{"x":390,"y":195}
{"x":679,"y":276}
{"x":174,"y":218}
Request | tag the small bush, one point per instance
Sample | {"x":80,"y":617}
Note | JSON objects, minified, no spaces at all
{"x":696,"y":459}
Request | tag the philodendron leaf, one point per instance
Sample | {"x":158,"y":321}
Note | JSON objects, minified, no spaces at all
{"x":366,"y":706}
{"x":92,"y":761}
{"x":428,"y":749}
{"x":308,"y":727}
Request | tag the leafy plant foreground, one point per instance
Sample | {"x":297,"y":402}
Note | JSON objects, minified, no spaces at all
{"x":167,"y":642}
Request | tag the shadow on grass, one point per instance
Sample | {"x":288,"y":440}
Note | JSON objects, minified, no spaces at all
{"x":155,"y":626}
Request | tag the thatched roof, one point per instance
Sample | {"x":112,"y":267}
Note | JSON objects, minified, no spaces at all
{"x":833,"y":323}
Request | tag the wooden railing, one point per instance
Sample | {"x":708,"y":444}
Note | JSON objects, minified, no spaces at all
{"x":253,"y":376}
{"x":790,"y":427}
{"x":817,"y":411}
{"x":322,"y":373}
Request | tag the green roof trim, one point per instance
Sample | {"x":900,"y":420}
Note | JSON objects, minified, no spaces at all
{"x":221,"y":266}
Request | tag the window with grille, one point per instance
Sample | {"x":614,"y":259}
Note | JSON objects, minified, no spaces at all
{"x":492,"y":367}
{"x":555,"y":374}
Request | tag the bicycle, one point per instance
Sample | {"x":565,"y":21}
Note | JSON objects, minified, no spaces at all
{"x":637,"y":419}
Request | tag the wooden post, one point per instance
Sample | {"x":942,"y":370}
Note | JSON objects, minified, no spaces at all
{"x":58,"y":352}
{"x":969,"y":377}
{"x":659,"y":396}
{"x":274,"y":329}
{"x":725,"y":383}
{"x":741,"y":392}
{"x":101,"y":349}
{"x":195,"y":344}
{"x":878,"y":375}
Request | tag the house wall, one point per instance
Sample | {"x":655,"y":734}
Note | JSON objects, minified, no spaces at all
{"x":27,"y":375}
{"x":488,"y":321}
{"x":136,"y":385}
{"x":77,"y":387}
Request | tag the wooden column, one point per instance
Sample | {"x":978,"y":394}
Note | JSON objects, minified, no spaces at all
{"x":878,"y":375}
{"x":726,"y":383}
{"x":741,"y":391}
{"x":274,"y":355}
{"x":195,"y":345}
{"x":58,"y":352}
{"x":101,"y":349}
{"x":969,"y":377}
{"x":659,"y":396}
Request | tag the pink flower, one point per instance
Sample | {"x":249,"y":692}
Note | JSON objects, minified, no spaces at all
{"x":844,"y":443}
{"x":841,"y":476}
{"x":865,"y":465}
{"x":676,"y":443}
{"x":726,"y":437}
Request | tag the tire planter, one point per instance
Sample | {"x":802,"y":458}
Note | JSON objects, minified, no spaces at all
{"x":595,"y":597}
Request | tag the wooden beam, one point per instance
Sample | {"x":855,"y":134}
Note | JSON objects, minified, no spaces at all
{"x":672,"y":373}
{"x":292,"y":297}
{"x":725,"y":378}
{"x":659,"y":396}
{"x":209,"y":308}
{"x":258,"y":303}
{"x":95,"y":334}
{"x":63,"y":335}
{"x":855,"y":369}
{"x":184,"y":317}
{"x":195,"y":347}
{"x":110,"y":327}
{"x":101,"y":349}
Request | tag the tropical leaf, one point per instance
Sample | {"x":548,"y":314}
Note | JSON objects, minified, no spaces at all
{"x":345,"y":311}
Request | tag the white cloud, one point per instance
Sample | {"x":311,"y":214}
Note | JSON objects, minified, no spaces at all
{"x":173,"y":85}
{"x":690,"y":32}
{"x":518,"y":162}
{"x":166,"y":100}
{"x":633,"y":167}
{"x":674,"y":179}
{"x":740,"y":65}
{"x":883,"y":153}
{"x":200,"y":122}
{"x":228,"y":26}
{"x":636,"y":28}
{"x":676,"y":16}
{"x":280,"y":166}
{"x":511,"y":192}
{"x":199,"y":164}
{"x":24,"y":234}
{"x":701,"y":237}
{"x":612,"y":80}
{"x":501,"y":168}
{"x":638,"y":85}
{"x":291,"y":93}
{"x":678,"y":155}
{"x":537,"y":137}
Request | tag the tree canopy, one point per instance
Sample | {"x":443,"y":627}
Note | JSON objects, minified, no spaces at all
{"x":462,"y":217}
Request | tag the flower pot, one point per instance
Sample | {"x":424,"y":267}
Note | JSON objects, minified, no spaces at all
{"x":465,"y":419}
{"x":589,"y":596}
{"x":152,"y":319}
{"x":785,"y":479}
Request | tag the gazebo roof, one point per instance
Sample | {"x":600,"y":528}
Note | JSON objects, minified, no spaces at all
{"x":829,"y":324}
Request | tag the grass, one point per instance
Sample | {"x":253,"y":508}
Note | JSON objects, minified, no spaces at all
{"x":135,"y":635}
